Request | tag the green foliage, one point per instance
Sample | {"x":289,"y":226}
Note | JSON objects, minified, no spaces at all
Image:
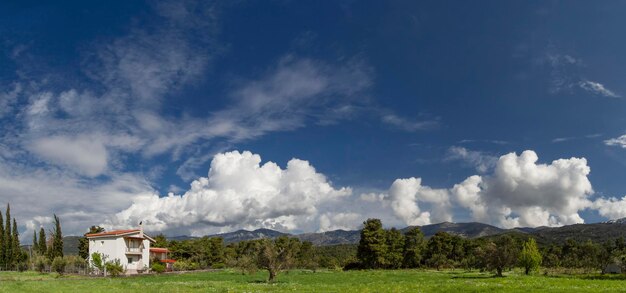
{"x":160,"y":241}
{"x":41,"y":262}
{"x":57,"y":240}
{"x":372,"y":249}
{"x":413,"y":247}
{"x":501,"y":254}
{"x":530,"y":258}
{"x":114,"y":268}
{"x":97,"y":261}
{"x":277,"y":255}
{"x":42,"y":248}
{"x":8,"y":240}
{"x":58,"y":265}
{"x":83,"y":242}
{"x":157,"y":267}
{"x":185,"y":265}
{"x":395,"y":246}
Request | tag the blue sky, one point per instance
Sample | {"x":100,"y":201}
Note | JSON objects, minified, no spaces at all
{"x":411,"y":111}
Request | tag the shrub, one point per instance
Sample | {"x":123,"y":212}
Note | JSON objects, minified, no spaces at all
{"x":158,"y":267}
{"x":183,"y":265}
{"x":114,"y":268}
{"x":40,"y":263}
{"x":218,"y":265}
{"x":58,"y":265}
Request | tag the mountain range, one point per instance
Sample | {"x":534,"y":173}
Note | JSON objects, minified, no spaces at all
{"x":581,"y":232}
{"x":597,"y":232}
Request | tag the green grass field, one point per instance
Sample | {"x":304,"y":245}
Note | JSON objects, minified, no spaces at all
{"x":323,"y":281}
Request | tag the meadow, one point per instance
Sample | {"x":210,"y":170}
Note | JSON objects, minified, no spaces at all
{"x":320,"y":281}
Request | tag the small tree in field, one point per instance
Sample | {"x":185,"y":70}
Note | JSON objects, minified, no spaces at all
{"x":278,"y":255}
{"x":58,"y":265}
{"x":500,"y":255}
{"x":530,"y":258}
{"x":97,"y":261}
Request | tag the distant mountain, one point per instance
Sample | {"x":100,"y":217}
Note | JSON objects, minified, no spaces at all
{"x":331,"y":237}
{"x":241,"y":235}
{"x":616,"y":221}
{"x":70,"y":245}
{"x":597,"y":232}
{"x":466,"y":230}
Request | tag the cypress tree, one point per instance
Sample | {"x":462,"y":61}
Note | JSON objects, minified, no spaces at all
{"x":57,"y":239}
{"x":8,"y":239}
{"x":17,"y":250}
{"x":413,"y":248}
{"x":1,"y":241}
{"x":42,"y":247}
{"x":34,"y":248}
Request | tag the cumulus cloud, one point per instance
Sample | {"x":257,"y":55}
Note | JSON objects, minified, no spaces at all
{"x":618,"y":141}
{"x":404,"y":197}
{"x":518,"y":192}
{"x":522,"y":192}
{"x":239,"y":191}
{"x":611,"y":208}
{"x":339,"y":221}
{"x":481,"y":161}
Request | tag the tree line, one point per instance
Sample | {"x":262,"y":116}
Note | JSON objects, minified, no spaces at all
{"x":12,"y":257}
{"x":390,"y":249}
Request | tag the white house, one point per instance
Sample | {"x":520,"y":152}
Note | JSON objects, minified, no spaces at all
{"x":131,"y":247}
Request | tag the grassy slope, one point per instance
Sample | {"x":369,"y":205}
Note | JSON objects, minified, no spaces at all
{"x":325,"y":281}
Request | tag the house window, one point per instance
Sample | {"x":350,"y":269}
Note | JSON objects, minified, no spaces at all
{"x":130,"y":260}
{"x":101,"y":242}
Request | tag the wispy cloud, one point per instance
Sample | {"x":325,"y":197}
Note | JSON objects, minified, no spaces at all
{"x":483,"y":162}
{"x":407,"y":124}
{"x":618,"y":141}
{"x":597,"y":88}
{"x":566,"y":75}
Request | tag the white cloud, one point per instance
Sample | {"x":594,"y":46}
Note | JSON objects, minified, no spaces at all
{"x":404,"y":197}
{"x":481,"y":161}
{"x":406,"y":124}
{"x":597,"y":88}
{"x":611,"y":208}
{"x":618,"y":141}
{"x":524,"y":193}
{"x":518,"y":192}
{"x":239,"y":191}
{"x":339,"y":221}
{"x":84,"y":154}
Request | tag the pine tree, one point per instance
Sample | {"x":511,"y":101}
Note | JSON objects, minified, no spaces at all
{"x":372,"y":247}
{"x":8,"y":239}
{"x":395,"y":244}
{"x":413,"y":248}
{"x":42,"y":247}
{"x":530,"y":258}
{"x":16,"y":249}
{"x":34,"y":248}
{"x":57,"y":239}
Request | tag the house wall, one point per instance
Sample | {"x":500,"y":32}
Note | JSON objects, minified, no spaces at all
{"x":114,"y":247}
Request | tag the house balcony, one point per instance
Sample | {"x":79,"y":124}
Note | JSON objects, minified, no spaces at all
{"x":134,"y":250}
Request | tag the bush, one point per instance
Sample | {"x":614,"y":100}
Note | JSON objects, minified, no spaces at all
{"x":183,"y":265}
{"x":218,"y":265}
{"x":40,"y":263}
{"x":353,"y":266}
{"x":58,"y":265}
{"x":114,"y":268}
{"x":158,"y":267}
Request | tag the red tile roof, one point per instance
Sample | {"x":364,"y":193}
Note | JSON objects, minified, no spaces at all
{"x":159,"y":250}
{"x":168,"y":260}
{"x":112,"y":233}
